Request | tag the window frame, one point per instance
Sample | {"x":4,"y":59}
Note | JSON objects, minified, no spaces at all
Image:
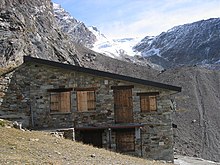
{"x":146,"y":97}
{"x":58,"y":93}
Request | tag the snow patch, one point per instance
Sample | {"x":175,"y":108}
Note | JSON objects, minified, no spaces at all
{"x":152,"y":52}
{"x":114,"y":47}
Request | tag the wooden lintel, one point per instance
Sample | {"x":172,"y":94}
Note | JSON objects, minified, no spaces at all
{"x":148,"y":94}
{"x":122,"y":87}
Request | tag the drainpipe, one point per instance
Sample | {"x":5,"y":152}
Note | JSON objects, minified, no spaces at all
{"x":109,"y":137}
{"x":141,"y":142}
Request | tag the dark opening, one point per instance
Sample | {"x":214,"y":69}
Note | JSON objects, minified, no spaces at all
{"x":92,"y":137}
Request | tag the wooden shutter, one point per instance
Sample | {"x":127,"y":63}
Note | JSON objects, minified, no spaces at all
{"x":153,"y":103}
{"x":82,"y":101}
{"x":148,"y":103}
{"x":54,"y":102}
{"x":91,"y":100}
{"x":65,"y":102}
{"x":145,"y":104}
{"x":125,"y":141}
{"x":86,"y":100}
{"x":60,"y":102}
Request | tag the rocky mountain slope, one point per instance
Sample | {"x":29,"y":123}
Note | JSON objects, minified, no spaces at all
{"x":197,"y":116}
{"x":76,"y":30}
{"x":190,"y":44}
{"x":28,"y":28}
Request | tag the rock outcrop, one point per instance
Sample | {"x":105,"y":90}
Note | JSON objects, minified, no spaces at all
{"x":28,"y":28}
{"x":77,"y":31}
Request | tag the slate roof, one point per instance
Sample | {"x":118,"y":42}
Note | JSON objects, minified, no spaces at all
{"x":101,"y":73}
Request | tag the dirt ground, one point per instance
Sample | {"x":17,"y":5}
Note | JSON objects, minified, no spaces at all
{"x":186,"y":160}
{"x":32,"y":147}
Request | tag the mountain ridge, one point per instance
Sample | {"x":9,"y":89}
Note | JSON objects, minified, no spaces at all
{"x":189,"y":44}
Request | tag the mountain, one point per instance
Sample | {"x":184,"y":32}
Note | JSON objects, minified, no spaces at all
{"x":190,"y":44}
{"x":28,"y":28}
{"x":77,"y":31}
{"x":92,"y":38}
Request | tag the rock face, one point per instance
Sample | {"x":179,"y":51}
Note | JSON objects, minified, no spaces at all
{"x":76,"y":30}
{"x":189,"y":44}
{"x":28,"y":28}
{"x":197,"y":115}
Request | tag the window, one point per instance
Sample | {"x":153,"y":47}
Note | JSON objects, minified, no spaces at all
{"x":60,"y":100}
{"x":86,"y":100}
{"x":148,"y":101}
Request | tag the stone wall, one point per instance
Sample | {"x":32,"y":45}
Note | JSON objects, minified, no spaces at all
{"x":27,"y":95}
{"x":14,"y":96}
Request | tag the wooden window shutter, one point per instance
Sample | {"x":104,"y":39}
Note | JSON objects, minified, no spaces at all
{"x":54,"y":102}
{"x":60,"y":101}
{"x":153,"y":103}
{"x":65,"y":102}
{"x":148,"y":103}
{"x":91,"y":100}
{"x":82,"y":101}
{"x":144,"y":104}
{"x":86,"y":100}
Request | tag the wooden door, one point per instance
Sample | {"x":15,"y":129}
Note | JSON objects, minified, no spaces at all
{"x":125,"y":141}
{"x":123,"y":105}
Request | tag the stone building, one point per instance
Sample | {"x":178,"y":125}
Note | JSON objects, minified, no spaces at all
{"x":112,"y":111}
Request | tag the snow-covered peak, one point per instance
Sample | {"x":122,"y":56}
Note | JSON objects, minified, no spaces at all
{"x":115,"y":48}
{"x":99,"y":36}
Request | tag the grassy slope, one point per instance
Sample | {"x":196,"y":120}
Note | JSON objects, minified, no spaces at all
{"x":32,"y":147}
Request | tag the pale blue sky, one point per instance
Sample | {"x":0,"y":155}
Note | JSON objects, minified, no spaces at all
{"x":130,"y":18}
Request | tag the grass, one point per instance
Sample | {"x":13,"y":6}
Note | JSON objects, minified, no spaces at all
{"x":33,"y":147}
{"x":4,"y":123}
